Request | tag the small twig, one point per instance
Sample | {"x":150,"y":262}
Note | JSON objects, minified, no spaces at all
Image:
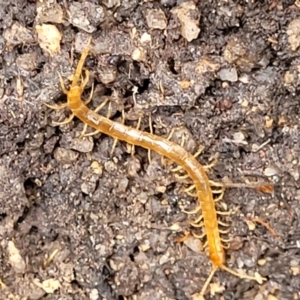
{"x":266,"y":225}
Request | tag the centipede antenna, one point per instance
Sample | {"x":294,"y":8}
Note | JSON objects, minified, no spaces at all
{"x":79,"y":67}
{"x":66,"y":121}
{"x":86,"y":102}
{"x":85,"y":80}
{"x":62,"y":84}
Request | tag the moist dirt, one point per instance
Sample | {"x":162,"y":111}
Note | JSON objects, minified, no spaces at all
{"x":77,"y":222}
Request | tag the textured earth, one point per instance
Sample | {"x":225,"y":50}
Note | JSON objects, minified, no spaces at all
{"x":78,"y":221}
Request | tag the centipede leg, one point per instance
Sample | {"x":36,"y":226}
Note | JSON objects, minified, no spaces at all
{"x":66,"y":121}
{"x":181,"y":177}
{"x":225,"y":245}
{"x":211,"y":165}
{"x":225,"y":240}
{"x":217,"y":184}
{"x":61,"y":106}
{"x":88,"y":100}
{"x":137,"y":127}
{"x":220,"y":197}
{"x":194,"y":195}
{"x":192,"y":212}
{"x":218,"y":192}
{"x":179,"y":168}
{"x":56,"y":107}
{"x":151,"y":131}
{"x":168,"y":138}
{"x":224,"y":213}
{"x":199,"y":151}
{"x":116,"y":140}
{"x":176,"y":169}
{"x":197,"y":225}
{"x":188,"y":191}
{"x":191,"y":187}
{"x":223,"y":224}
{"x":224,"y":231}
{"x":83,"y":134}
{"x":200,"y":237}
{"x":215,"y":192}
{"x":207,"y":282}
{"x":257,"y":277}
{"x":196,"y":222}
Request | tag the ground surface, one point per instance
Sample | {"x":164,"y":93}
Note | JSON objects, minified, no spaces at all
{"x":76,"y":223}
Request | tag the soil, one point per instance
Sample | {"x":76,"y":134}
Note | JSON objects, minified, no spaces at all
{"x":79,"y":223}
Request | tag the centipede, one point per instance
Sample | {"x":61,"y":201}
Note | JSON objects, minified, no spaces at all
{"x":208,"y":219}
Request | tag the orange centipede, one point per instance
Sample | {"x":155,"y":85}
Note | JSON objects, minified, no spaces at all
{"x":164,"y":147}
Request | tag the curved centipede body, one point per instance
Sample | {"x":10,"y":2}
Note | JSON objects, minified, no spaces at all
{"x":164,"y":147}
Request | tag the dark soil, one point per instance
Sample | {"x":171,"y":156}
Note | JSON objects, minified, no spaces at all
{"x":77,"y":223}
